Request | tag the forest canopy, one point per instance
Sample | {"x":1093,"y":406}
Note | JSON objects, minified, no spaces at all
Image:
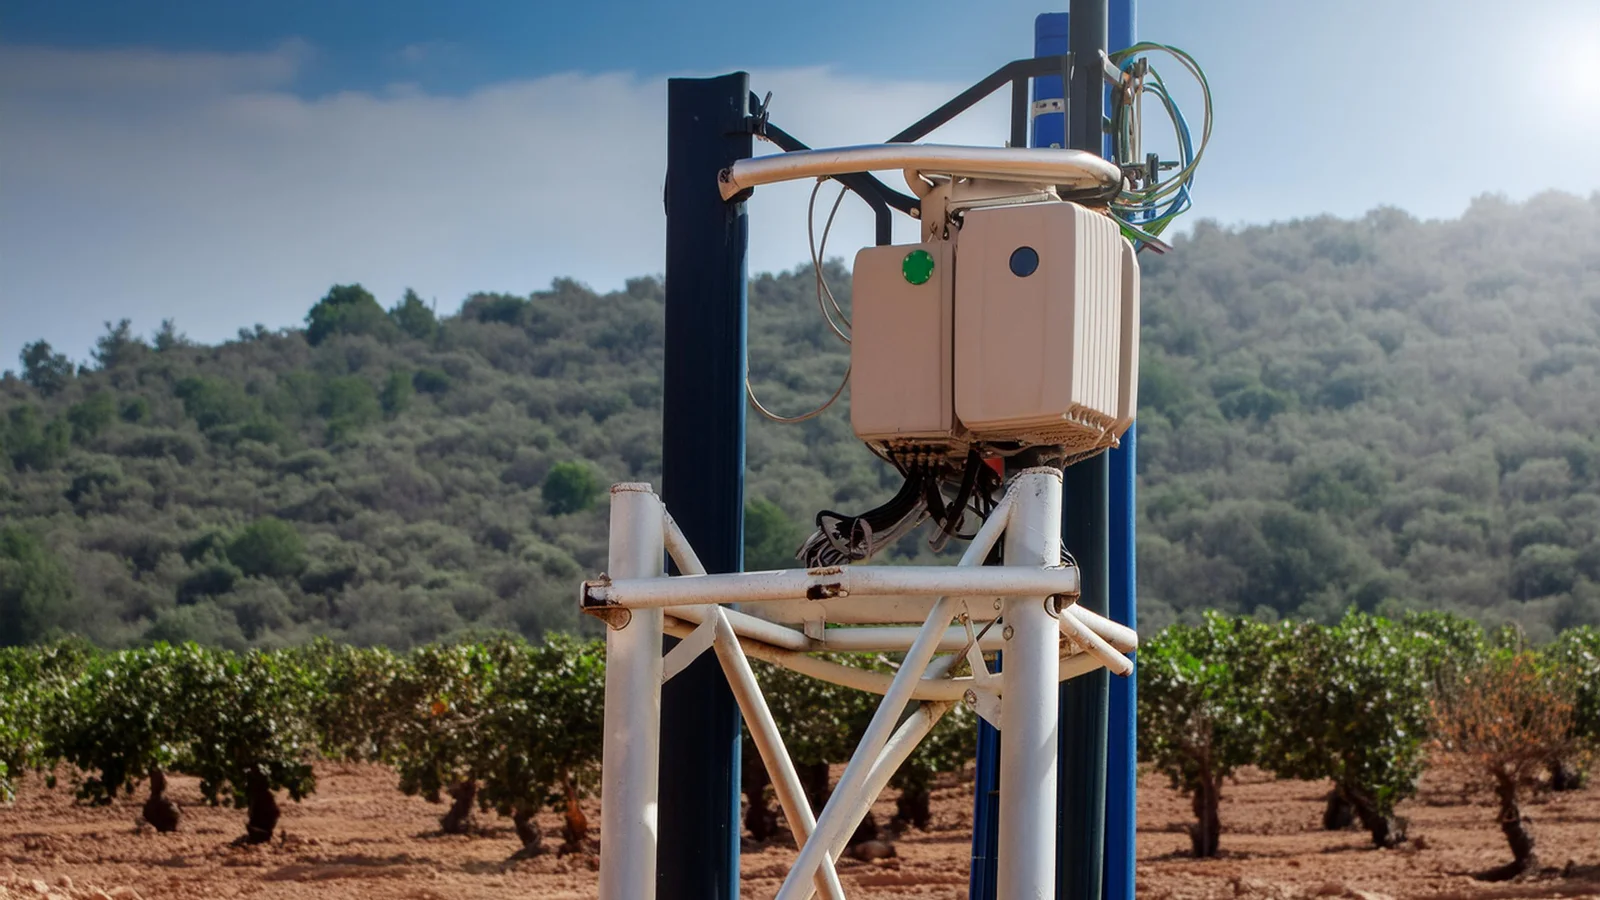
{"x":1382,"y":413}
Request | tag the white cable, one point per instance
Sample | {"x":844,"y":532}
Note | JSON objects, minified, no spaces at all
{"x":790,"y":420}
{"x":816,"y":259}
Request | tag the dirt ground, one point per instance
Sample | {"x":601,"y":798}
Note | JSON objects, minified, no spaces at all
{"x":359,"y":837}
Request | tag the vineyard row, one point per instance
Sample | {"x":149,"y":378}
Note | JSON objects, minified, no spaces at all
{"x":513,"y":727}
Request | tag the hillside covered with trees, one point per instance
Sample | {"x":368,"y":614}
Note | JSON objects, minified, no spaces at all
{"x":1382,"y":413}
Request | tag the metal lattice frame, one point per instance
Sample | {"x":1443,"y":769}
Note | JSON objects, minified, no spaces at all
{"x":1046,"y":636}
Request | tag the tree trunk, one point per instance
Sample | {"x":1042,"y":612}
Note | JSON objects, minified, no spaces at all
{"x":814,"y":781}
{"x":1515,"y":828}
{"x":912,"y":806}
{"x":1339,"y":814}
{"x":459,"y":820}
{"x":158,"y":810}
{"x":575,"y":828}
{"x":1387,"y":830}
{"x":527,"y":831}
{"x":1566,"y":776}
{"x":1206,"y":833}
{"x":759,"y":819}
{"x":866,"y":831}
{"x":262,"y":809}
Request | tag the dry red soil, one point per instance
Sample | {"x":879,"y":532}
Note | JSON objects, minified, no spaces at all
{"x":358,"y":837}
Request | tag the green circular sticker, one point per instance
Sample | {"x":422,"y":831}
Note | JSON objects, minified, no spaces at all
{"x":918,"y":266}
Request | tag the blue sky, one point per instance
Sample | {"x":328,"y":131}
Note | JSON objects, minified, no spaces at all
{"x":224,"y":163}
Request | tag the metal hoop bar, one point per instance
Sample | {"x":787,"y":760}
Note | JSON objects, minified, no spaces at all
{"x":1070,"y":169}
{"x":833,"y":581}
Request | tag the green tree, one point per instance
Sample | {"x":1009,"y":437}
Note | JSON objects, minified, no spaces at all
{"x":33,"y":585}
{"x":268,"y":548}
{"x":349,"y":404}
{"x":346,"y":309}
{"x":770,"y":537}
{"x":570,"y":487}
{"x":414,"y":317}
{"x":546,"y":719}
{"x":118,"y":346}
{"x":168,"y":337}
{"x":430,"y":381}
{"x":1202,"y":709}
{"x":355,"y":718}
{"x":92,"y":415}
{"x":397,"y":394}
{"x":252,"y":736}
{"x":47,"y":371}
{"x":214,"y":402}
{"x":444,"y":696}
{"x":32,"y":679}
{"x":128,"y":718}
{"x":1575,"y":660}
{"x":32,"y":442}
{"x":1350,"y":703}
{"x":135,"y":410}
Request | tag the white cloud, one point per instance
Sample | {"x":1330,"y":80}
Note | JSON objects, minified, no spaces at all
{"x":199,"y":187}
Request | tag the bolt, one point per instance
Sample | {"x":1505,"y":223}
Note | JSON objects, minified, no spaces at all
{"x":1008,"y":632}
{"x":997,"y":603}
{"x":971,"y":696}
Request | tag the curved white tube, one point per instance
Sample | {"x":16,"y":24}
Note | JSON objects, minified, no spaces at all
{"x":1070,"y":168}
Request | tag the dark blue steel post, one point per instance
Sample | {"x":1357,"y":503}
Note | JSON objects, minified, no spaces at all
{"x":986,"y":813}
{"x":1122,"y":740}
{"x":702,"y":471}
{"x":1081,"y":809}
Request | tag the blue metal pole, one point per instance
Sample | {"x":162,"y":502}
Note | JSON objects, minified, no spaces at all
{"x":1085,"y":700}
{"x":702,"y":471}
{"x":986,"y":813}
{"x":1122,"y":741}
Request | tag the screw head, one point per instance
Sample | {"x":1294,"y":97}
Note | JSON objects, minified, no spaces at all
{"x":971,"y":696}
{"x":1007,"y":632}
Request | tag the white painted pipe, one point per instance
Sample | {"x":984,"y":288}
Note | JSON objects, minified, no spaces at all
{"x":630,"y":753}
{"x":1072,"y":168}
{"x":769,"y":743}
{"x":748,"y":626}
{"x":1029,"y":707}
{"x":798,"y":886}
{"x":865,"y":610}
{"x":1118,"y":635}
{"x":950,"y":689}
{"x":899,"y":748}
{"x":678,"y":546}
{"x":833,"y":581}
{"x":898,"y":639}
{"x":1082,"y":635}
{"x":895,"y":753}
{"x":928,"y":689}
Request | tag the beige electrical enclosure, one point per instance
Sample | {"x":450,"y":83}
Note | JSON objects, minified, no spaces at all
{"x":1046,"y":326}
{"x":900,"y":343}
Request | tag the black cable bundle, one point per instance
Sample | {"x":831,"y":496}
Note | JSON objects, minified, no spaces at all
{"x":841,"y":539}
